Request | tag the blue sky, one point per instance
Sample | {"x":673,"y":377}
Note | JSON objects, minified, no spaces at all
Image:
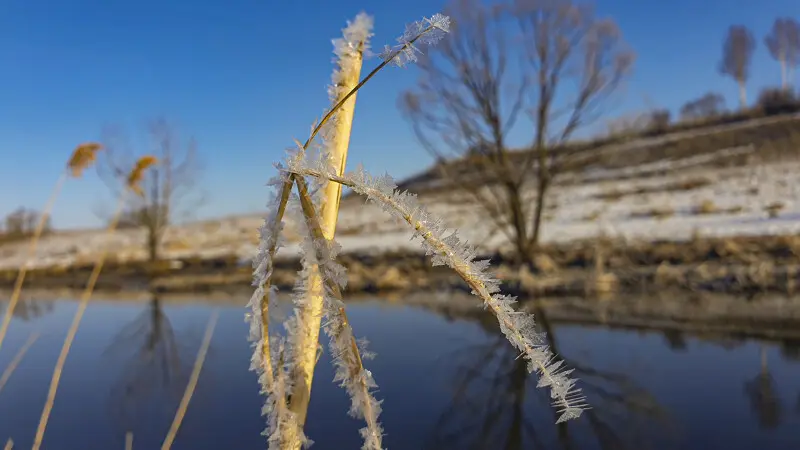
{"x":245,"y":77}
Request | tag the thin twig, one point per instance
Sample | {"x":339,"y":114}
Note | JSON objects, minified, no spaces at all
{"x":129,"y":440}
{"x":190,"y":387}
{"x":17,"y":359}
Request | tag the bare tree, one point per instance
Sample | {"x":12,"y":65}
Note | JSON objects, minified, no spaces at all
{"x":636,"y":122}
{"x":21,"y":223}
{"x":709,"y":105}
{"x":469,"y":98}
{"x":737,"y":54}
{"x":170,"y":189}
{"x":783,"y":43}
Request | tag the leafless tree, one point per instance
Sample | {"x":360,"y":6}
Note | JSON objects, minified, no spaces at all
{"x":170,"y":189}
{"x":470,"y":96}
{"x":783,"y":43}
{"x":709,"y":105}
{"x":20,"y":224}
{"x":737,"y":54}
{"x":631,"y":123}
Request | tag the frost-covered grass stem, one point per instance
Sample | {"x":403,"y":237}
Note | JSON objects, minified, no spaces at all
{"x":448,"y":250}
{"x":335,"y":142}
{"x":287,"y":380}
{"x":344,"y":347}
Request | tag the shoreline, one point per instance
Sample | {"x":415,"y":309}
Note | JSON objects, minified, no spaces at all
{"x":740,"y":265}
{"x":772,"y":317}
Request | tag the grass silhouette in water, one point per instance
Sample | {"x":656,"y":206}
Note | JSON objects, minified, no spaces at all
{"x":285,"y":363}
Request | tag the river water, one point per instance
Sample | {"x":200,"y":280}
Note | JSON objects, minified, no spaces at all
{"x":446,"y":382}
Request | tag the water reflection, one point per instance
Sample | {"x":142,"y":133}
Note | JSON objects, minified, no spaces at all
{"x":764,"y":400}
{"x":450,"y":381}
{"x":497,"y":405}
{"x":29,"y":307}
{"x":153,"y":369}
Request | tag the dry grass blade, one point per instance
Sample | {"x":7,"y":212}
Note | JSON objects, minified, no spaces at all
{"x":190,"y":387}
{"x":12,"y":302}
{"x":137,"y":174}
{"x":9,"y":444}
{"x":83,"y":157}
{"x":12,"y":366}
{"x":129,"y":441}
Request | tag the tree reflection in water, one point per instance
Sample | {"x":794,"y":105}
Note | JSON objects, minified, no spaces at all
{"x":29,"y":308}
{"x":764,"y":399}
{"x":152,"y":371}
{"x":495,"y":404}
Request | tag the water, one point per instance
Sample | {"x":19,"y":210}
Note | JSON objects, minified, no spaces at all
{"x":448,"y":383}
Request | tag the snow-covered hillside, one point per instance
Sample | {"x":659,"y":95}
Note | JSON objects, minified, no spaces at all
{"x":662,"y":200}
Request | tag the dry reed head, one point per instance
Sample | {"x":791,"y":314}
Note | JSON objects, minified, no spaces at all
{"x":83,"y":157}
{"x":137,"y":173}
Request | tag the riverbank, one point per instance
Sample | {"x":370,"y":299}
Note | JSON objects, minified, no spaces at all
{"x":744,"y":265}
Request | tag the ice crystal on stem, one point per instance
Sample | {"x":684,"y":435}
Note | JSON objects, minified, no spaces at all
{"x":425,"y":32}
{"x":448,"y":249}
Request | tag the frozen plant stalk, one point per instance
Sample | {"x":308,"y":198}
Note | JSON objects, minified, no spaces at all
{"x":318,"y":292}
{"x":349,"y":51}
{"x":449,"y":250}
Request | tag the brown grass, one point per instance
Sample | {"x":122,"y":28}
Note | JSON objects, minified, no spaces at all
{"x":657,"y":213}
{"x":774,"y":208}
{"x":133,"y":179}
{"x":676,"y":186}
{"x":592,"y":216}
{"x":706,"y":207}
{"x":136,"y":175}
{"x":82,"y":157}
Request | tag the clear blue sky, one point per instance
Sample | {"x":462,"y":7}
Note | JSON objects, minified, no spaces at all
{"x":245,"y":77}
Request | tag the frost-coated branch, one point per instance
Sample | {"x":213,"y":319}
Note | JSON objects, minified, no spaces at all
{"x":449,"y":250}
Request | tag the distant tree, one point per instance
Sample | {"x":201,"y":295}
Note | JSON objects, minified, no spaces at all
{"x":783,"y":43}
{"x":470,"y":96}
{"x":637,"y":123}
{"x":630,"y":123}
{"x":778,"y":101}
{"x":170,"y":188}
{"x":737,"y":54}
{"x":660,"y":119}
{"x":709,"y":105}
{"x":22,"y":223}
